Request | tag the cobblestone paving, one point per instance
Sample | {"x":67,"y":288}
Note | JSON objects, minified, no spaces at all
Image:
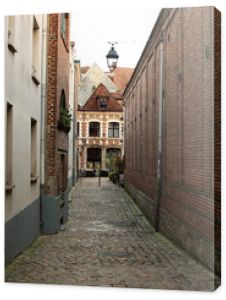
{"x":108,"y":242}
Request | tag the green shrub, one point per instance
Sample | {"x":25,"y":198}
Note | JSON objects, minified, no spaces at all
{"x":112,"y":176}
{"x":116,"y":167}
{"x":65,"y":117}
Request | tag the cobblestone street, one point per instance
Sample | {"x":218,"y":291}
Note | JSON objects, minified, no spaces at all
{"x":107,"y":242}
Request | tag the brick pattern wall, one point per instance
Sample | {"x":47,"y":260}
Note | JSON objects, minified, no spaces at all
{"x":217,"y":136}
{"x":51,"y":96}
{"x":191,"y":130}
{"x":57,"y":80}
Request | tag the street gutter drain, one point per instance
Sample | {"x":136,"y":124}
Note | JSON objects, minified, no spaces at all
{"x":117,"y":254}
{"x":124,"y":223}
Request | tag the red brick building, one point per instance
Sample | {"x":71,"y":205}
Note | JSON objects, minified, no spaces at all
{"x":54,"y":207}
{"x":172,"y":130}
{"x":100,"y":129}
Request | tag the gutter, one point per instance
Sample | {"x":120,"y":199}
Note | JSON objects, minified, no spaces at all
{"x":43,"y":112}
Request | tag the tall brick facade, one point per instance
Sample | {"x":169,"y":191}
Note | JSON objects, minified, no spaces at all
{"x":217,"y":136}
{"x":172,"y":130}
{"x":56,"y":162}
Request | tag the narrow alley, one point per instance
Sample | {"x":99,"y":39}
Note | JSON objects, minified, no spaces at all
{"x":107,"y":241}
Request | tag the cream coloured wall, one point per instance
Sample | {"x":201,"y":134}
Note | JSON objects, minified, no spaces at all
{"x":71,"y":104}
{"x":102,"y":142}
{"x":24,"y":96}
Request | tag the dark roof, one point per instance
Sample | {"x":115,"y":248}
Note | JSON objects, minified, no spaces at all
{"x":113,"y":100}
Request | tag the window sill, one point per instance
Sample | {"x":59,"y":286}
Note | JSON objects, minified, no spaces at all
{"x":9,"y":187}
{"x":12,"y":48}
{"x":34,"y":179}
{"x":35,"y":80}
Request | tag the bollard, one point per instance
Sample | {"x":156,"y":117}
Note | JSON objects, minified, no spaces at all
{"x":98,"y":174}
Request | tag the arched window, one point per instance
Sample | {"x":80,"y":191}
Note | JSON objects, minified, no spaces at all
{"x":62,"y":100}
{"x":113,"y":130}
{"x":63,"y":25}
{"x":65,"y":117}
{"x":94,"y":129}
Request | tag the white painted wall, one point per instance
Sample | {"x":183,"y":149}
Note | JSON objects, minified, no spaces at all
{"x":71,"y":104}
{"x":25,"y":96}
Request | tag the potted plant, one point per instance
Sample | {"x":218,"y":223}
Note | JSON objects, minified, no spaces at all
{"x":64,"y":122}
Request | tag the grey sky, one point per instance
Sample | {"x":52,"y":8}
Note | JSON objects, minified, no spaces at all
{"x":92,"y":29}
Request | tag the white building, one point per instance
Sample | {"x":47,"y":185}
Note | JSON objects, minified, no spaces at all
{"x":28,"y":209}
{"x":72,"y":133}
{"x":23,"y":69}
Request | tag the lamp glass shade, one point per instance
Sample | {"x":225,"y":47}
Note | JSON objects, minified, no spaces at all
{"x":112,"y":59}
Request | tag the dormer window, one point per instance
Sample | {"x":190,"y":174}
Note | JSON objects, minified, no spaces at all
{"x":102,"y":103}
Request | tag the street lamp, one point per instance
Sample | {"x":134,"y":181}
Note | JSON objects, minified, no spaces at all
{"x":112,"y":57}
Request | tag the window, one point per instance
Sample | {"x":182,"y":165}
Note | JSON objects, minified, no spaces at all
{"x":113,"y":151}
{"x":35,"y":52}
{"x":63,"y":26}
{"x":78,"y":127}
{"x":111,"y":154}
{"x":93,"y":158}
{"x":113,"y":130}
{"x":33,"y":150}
{"x":122,"y":130}
{"x":65,"y":117}
{"x":62,"y":100}
{"x":9,"y":147}
{"x":94,"y":129}
{"x":11,"y":34}
{"x":102,"y":103}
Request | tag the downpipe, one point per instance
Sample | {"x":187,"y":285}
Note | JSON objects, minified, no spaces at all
{"x":42,"y":118}
{"x":160,"y":138}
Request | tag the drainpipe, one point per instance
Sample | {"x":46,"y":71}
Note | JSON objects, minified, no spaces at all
{"x":42,"y":118}
{"x":160,"y":137}
{"x":74,"y":126}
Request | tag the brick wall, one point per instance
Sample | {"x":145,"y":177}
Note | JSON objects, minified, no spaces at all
{"x":217,"y":136}
{"x":57,"y":80}
{"x":181,"y":202}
